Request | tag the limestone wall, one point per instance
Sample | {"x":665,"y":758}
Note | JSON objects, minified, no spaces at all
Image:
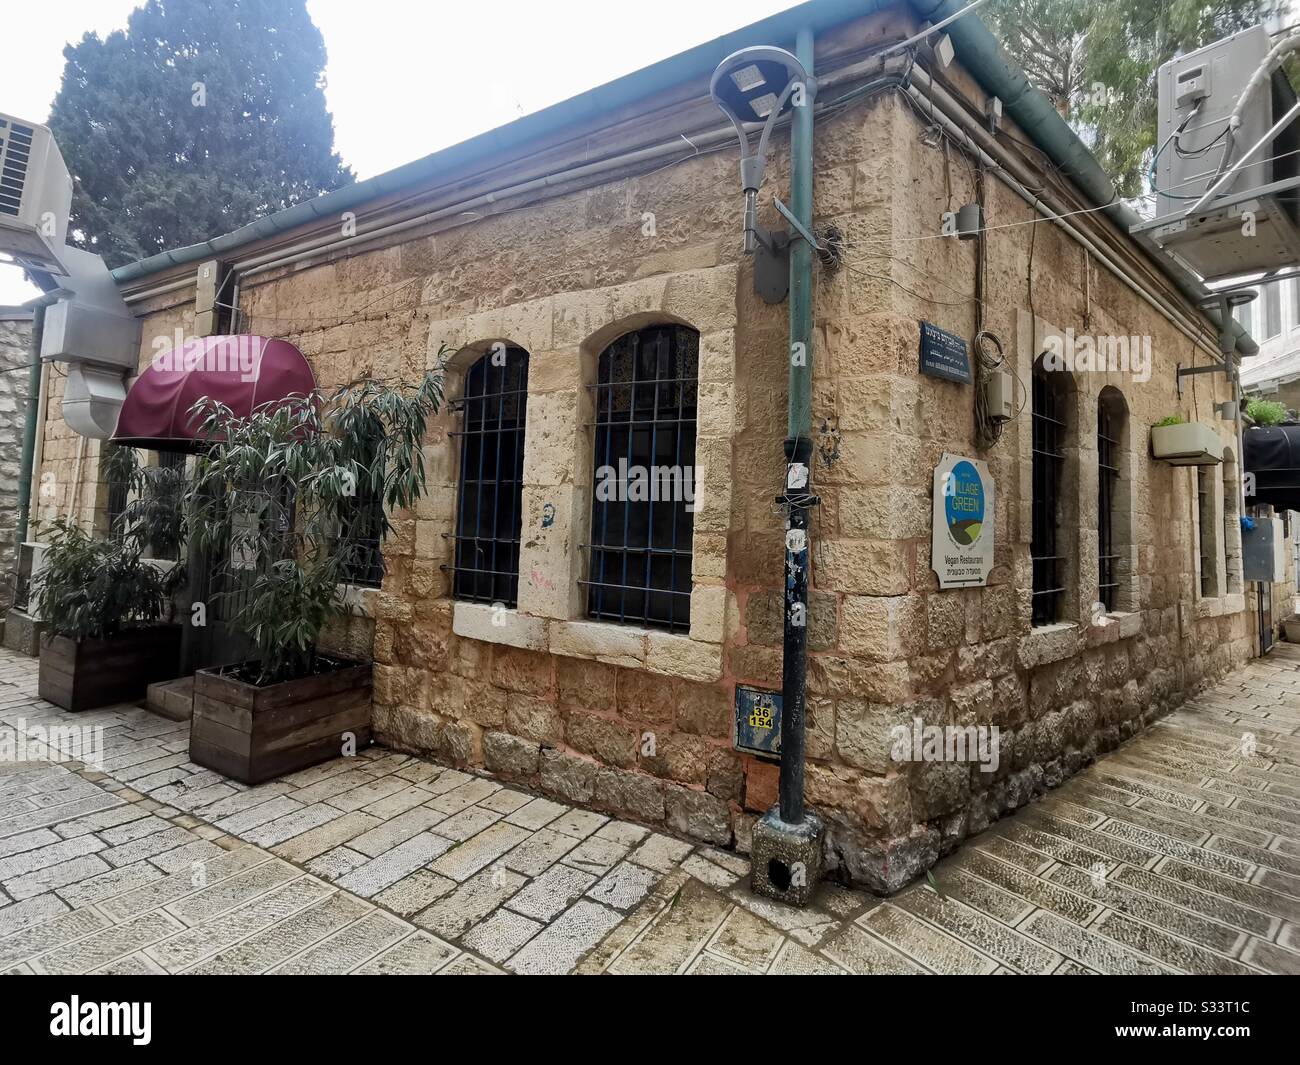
{"x":638,"y":722}
{"x":15,"y":356}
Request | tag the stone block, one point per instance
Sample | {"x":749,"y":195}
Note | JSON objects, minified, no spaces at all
{"x":509,"y":755}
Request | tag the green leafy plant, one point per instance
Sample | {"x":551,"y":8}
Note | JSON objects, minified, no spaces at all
{"x":1172,"y":419}
{"x":1266,"y":412}
{"x":284,"y":500}
{"x":152,"y":515}
{"x":89,"y":589}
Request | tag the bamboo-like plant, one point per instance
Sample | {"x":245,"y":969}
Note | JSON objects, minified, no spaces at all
{"x":285,"y":499}
{"x":92,"y":589}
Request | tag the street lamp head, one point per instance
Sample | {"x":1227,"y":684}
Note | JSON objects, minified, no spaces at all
{"x":755,"y":85}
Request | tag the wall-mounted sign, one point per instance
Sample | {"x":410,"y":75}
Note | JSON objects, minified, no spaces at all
{"x":758,"y":722}
{"x":944,"y":354}
{"x":961,"y":534}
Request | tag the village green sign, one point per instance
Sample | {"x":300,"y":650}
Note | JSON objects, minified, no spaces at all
{"x":961,"y":535}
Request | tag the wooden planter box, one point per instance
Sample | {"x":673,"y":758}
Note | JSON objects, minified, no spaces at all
{"x":253,"y":734}
{"x":83,"y":674}
{"x":1186,"y":444}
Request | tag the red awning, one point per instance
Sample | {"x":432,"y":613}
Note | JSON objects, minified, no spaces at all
{"x":241,"y":371}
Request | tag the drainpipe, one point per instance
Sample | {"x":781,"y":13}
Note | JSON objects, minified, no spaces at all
{"x":26,"y":470}
{"x":797,"y":499}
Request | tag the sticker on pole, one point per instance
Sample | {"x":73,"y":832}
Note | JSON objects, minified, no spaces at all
{"x":961,"y":536}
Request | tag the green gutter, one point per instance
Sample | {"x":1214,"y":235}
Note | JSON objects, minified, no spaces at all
{"x":31,"y":419}
{"x":979,"y":52}
{"x":458,"y":161}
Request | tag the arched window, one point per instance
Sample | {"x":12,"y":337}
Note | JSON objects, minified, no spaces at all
{"x":642,"y":513}
{"x":1112,"y":417}
{"x":489,"y":502}
{"x":1046,"y":549}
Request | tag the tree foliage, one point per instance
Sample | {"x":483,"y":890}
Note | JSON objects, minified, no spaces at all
{"x":1096,"y":60}
{"x":201,"y":116}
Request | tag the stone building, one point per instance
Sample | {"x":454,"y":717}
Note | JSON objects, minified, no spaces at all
{"x":15,"y":357}
{"x":600,"y":239}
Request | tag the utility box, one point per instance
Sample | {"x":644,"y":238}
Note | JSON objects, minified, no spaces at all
{"x":758,"y":722}
{"x":1251,"y":223}
{"x":1263,"y":551}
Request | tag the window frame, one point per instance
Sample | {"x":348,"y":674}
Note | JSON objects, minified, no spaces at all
{"x":501,"y":576}
{"x":1049,"y":435}
{"x":1111,"y":418}
{"x":675,"y":367}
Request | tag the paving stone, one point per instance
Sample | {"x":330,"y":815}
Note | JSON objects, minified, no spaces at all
{"x":1271,"y":958}
{"x":50,"y":934}
{"x":272,"y":946}
{"x":177,"y":885}
{"x":132,"y":830}
{"x":29,"y":861}
{"x":196,"y":852}
{"x":577,"y":823}
{"x":468,"y":965}
{"x":713,"y":875}
{"x":469,"y":822}
{"x":552,"y":892}
{"x":388,"y":834}
{"x":1177,"y":953}
{"x":445,"y":781}
{"x":392,"y":865}
{"x":406,"y":798}
{"x":418,"y":955}
{"x":260,"y":814}
{"x":450,"y":916}
{"x":337,"y":863}
{"x":501,"y":934}
{"x":224,"y":895}
{"x":861,"y":953}
{"x":132,"y":965}
{"x":102,"y":947}
{"x":148,"y":846}
{"x":295,"y":823}
{"x":466,"y":859}
{"x":746,"y":942}
{"x":539,"y":852}
{"x":595,"y":855}
{"x":565,"y":940}
{"x":78,"y":826}
{"x":678,"y":934}
{"x":506,"y":801}
{"x":105,"y":885}
{"x":413,"y":893}
{"x":1087,"y":947}
{"x":317,"y":841}
{"x":710,"y":965}
{"x":537,"y":814}
{"x":661,"y":852}
{"x":331,"y":787}
{"x":971,"y":927}
{"x":366,"y":794}
{"x":467,"y":794}
{"x":349,"y":948}
{"x":622,"y":832}
{"x":624,"y":886}
{"x":24,"y":822}
{"x":26,"y":841}
{"x":55,"y":876}
{"x":216,"y":934}
{"x":20,"y":915}
{"x":795,"y":960}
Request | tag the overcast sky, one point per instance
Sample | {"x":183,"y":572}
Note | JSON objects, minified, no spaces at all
{"x":406,"y":77}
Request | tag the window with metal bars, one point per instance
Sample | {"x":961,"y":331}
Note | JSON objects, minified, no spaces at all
{"x":1110,"y":429}
{"x":642,"y":515}
{"x":1205,"y":541}
{"x":1048,"y":418}
{"x":360,"y":541}
{"x":489,"y":511}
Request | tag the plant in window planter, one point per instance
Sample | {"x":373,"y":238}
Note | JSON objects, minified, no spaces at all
{"x":1183,"y":443}
{"x":103,"y":606}
{"x":274,"y":501}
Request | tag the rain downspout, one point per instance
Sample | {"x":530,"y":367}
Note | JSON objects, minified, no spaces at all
{"x":27,"y":466}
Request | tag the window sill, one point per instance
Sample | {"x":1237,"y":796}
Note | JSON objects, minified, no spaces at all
{"x":1049,"y":643}
{"x":1122,"y":623}
{"x":358,"y":600}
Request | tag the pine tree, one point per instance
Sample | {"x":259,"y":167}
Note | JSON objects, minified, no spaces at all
{"x":201,"y":116}
{"x":1096,"y":60}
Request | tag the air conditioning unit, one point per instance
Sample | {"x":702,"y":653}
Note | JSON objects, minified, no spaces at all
{"x":35,"y":195}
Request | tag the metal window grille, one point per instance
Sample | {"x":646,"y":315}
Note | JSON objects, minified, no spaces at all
{"x":1048,"y":460}
{"x":1109,"y":423}
{"x":360,"y":542}
{"x":489,"y":511}
{"x":166,"y":487}
{"x":1205,"y":511}
{"x":646,"y":396}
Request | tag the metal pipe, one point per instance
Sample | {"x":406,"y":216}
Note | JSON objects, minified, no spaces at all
{"x":26,"y":467}
{"x":1278,"y":126}
{"x":798,"y":454}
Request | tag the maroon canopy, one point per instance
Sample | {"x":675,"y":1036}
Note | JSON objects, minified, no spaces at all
{"x":243,"y":372}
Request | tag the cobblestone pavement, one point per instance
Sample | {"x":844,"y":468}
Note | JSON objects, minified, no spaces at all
{"x":1179,"y":852}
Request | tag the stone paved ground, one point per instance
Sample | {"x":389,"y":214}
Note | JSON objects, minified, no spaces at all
{"x":1179,"y":852}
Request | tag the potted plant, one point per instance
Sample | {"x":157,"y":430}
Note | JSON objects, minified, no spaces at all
{"x":286,"y":499}
{"x":1182,"y":443}
{"x":103,"y":606}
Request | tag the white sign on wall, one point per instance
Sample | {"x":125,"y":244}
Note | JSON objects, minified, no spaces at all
{"x":961,"y":533}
